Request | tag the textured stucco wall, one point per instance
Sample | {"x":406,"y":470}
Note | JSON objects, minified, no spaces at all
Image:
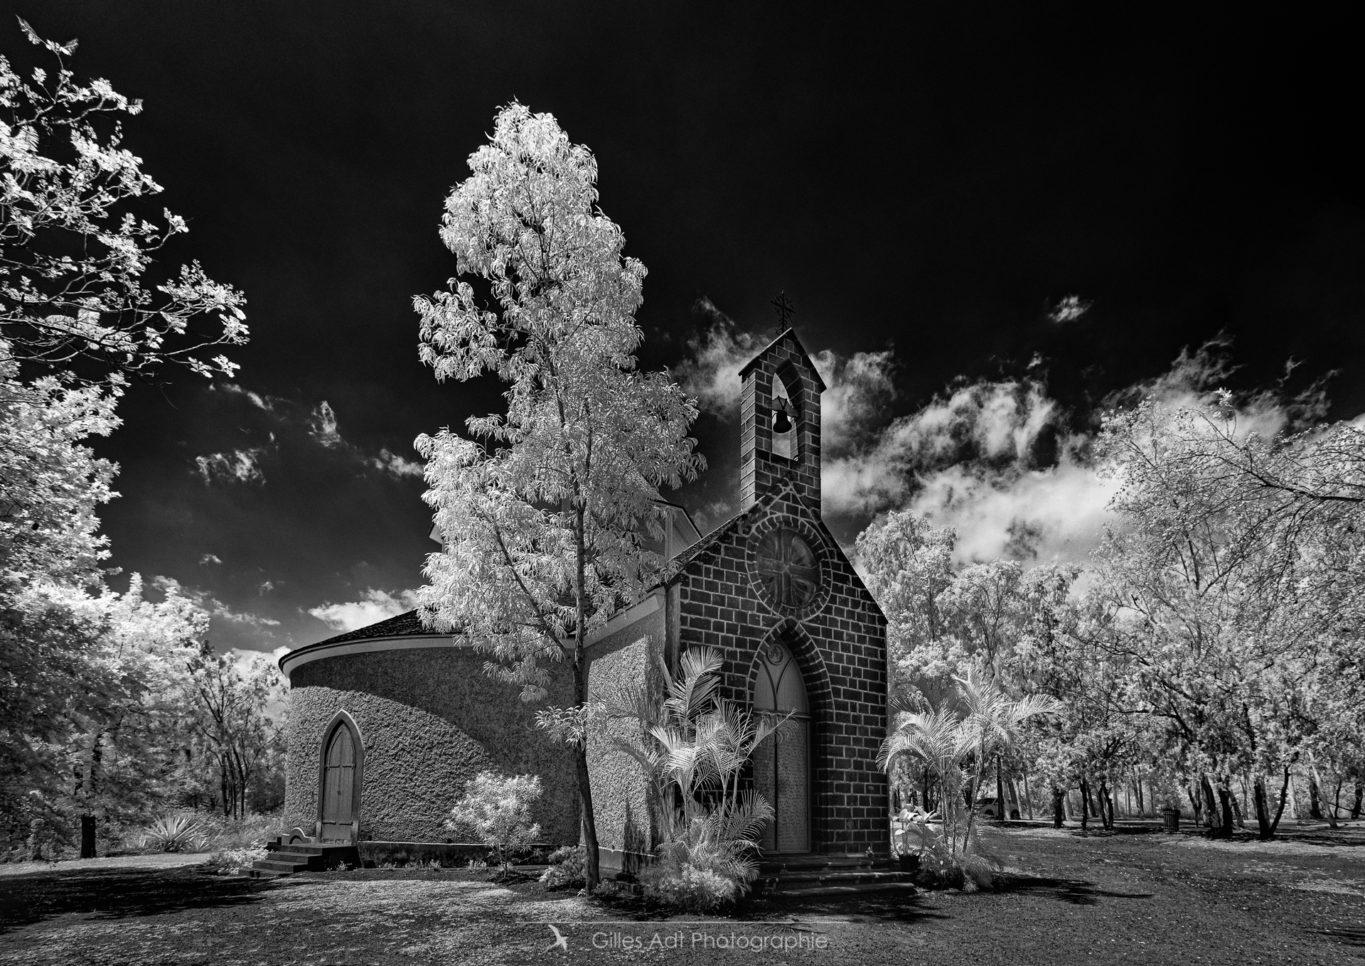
{"x":430,"y":720}
{"x":619,"y":662}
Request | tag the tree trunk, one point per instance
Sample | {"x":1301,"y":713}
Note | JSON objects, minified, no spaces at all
{"x":592,"y":874}
{"x":1001,"y":806}
{"x":1264,"y":831}
{"x":1196,"y":804}
{"x":1314,"y":801}
{"x":1356,"y":805}
{"x":1058,"y":806}
{"x":1210,"y":804}
{"x":1085,"y":806}
{"x":1315,"y":783}
{"x":1137,"y":789}
{"x":87,"y":836}
{"x":1106,"y":803}
{"x":1028,"y":798}
{"x":1237,"y":810}
{"x":1224,"y":828}
{"x":1284,"y":797}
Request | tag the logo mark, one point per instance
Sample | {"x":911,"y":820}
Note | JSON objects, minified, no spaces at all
{"x":561,"y":941}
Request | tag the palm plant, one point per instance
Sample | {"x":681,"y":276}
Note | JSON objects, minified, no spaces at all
{"x":693,"y":747}
{"x":955,"y":744}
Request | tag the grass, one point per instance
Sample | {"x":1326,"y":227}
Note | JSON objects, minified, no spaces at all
{"x":1065,"y":899}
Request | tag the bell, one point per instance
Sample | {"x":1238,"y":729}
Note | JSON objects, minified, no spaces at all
{"x":781,"y":421}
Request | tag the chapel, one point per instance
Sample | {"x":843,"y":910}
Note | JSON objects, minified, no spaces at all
{"x":388,"y":723}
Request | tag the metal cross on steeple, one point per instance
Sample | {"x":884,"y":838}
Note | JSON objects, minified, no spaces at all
{"x":785,"y":311}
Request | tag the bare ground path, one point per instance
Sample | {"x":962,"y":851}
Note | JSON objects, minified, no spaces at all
{"x":1065,"y":899}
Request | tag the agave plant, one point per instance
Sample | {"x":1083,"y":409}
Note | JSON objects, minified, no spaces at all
{"x":175,"y":832}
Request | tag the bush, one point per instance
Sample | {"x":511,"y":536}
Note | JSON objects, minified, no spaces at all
{"x":231,"y":861}
{"x":175,"y":832}
{"x":496,"y":810}
{"x":567,"y":868}
{"x":701,"y":867}
{"x":687,"y":886}
{"x":251,"y":831}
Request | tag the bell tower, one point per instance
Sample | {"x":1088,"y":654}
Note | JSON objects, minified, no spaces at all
{"x":779,"y":411}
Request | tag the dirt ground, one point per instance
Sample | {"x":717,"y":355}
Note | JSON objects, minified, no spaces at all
{"x":1063,"y":899}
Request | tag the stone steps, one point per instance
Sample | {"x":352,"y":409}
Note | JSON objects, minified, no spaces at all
{"x":800,"y":876}
{"x":304,"y":857}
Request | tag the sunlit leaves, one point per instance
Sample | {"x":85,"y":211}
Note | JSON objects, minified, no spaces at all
{"x":74,"y":246}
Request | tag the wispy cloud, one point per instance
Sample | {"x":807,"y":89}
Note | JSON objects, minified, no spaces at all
{"x":239,"y":465}
{"x":1068,"y":309}
{"x":216,"y":609}
{"x":261,"y":402}
{"x":711,"y":373}
{"x":995,"y":423}
{"x":210,"y":558}
{"x":374,"y":605}
{"x":322,"y":426}
{"x":397,"y":466}
{"x":297,"y":425}
{"x":972,"y":460}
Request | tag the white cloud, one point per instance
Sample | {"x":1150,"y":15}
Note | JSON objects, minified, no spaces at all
{"x":210,"y":558}
{"x":997,"y":423}
{"x":858,"y":389}
{"x":322,"y":426}
{"x":397,"y":466}
{"x":241,"y":465}
{"x":1062,"y":509}
{"x":712,"y":374}
{"x":374,"y":605}
{"x":215,"y":608}
{"x":1068,"y":309}
{"x":970,"y":461}
{"x":263,"y":403}
{"x":265,"y":587}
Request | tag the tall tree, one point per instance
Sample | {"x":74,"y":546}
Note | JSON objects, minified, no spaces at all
{"x":229,"y":716}
{"x":547,"y":512}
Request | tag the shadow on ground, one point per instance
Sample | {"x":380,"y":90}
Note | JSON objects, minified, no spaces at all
{"x":119,"y":893}
{"x":1074,"y":891}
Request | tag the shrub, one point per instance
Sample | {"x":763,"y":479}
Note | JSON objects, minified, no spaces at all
{"x":231,"y":861}
{"x":567,"y":868}
{"x":690,"y":887}
{"x":251,"y":831}
{"x":175,"y":832}
{"x":496,"y":810}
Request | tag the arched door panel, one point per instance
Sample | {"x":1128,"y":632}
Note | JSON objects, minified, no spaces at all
{"x":782,"y":762}
{"x":340,"y":791}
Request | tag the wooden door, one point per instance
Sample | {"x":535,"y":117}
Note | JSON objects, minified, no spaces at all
{"x":782,"y":761}
{"x":782,"y":776}
{"x":339,"y":786}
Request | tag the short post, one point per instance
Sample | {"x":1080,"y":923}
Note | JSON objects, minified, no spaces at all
{"x":1171,"y":817}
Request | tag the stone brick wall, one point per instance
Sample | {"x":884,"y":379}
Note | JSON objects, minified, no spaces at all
{"x":620,"y":662}
{"x":760,"y":471}
{"x":840,"y":643}
{"x":430,"y":720}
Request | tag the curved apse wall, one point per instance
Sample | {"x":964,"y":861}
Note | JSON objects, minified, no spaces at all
{"x":430,"y":720}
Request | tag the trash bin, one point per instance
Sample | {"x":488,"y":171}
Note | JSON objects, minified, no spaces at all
{"x":1171,"y":816}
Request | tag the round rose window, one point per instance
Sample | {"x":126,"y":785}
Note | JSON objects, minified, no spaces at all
{"x":787,"y":568}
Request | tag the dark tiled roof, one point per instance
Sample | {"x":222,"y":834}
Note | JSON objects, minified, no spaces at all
{"x":400,"y":626}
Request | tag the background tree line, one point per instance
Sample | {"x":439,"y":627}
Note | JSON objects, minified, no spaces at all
{"x":1207,"y":657}
{"x":112,"y":705}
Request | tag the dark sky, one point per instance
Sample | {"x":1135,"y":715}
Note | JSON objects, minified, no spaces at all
{"x":935,"y":183}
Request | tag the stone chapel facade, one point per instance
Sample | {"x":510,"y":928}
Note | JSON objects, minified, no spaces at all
{"x":388,"y":723}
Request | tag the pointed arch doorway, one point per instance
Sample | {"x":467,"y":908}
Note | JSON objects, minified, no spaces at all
{"x":343,"y":759}
{"x":782,"y":763}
